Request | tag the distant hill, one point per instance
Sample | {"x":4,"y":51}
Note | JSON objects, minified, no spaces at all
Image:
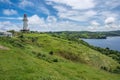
{"x":87,"y":34}
{"x":35,"y":56}
{"x":112,"y":33}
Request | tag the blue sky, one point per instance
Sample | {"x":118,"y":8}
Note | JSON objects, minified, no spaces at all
{"x":61,"y":15}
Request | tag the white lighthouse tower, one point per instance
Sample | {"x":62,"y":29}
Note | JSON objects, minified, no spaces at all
{"x":25,"y":23}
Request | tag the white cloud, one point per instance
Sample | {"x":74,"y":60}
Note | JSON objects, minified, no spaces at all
{"x":37,"y":23}
{"x":51,"y":19}
{"x":111,"y":24}
{"x":11,"y":18}
{"x":103,"y":28}
{"x":77,"y":15}
{"x":94,"y":26}
{"x":33,"y":6}
{"x":36,"y":20}
{"x":112,"y":27}
{"x":43,"y":9}
{"x":51,"y":23}
{"x":65,"y":12}
{"x":76,"y":4}
{"x":70,"y":10}
{"x":110,"y":20}
{"x":25,"y":3}
{"x":9,"y":12}
{"x":90,"y":13}
{"x":7,"y":25}
{"x":112,"y":4}
{"x":106,"y":14}
{"x":60,"y":8}
{"x":95,"y":23}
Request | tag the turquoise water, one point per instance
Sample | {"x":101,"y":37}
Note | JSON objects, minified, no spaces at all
{"x":111,"y":42}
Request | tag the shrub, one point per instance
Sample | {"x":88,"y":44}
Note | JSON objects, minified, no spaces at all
{"x":34,"y":39}
{"x":55,"y":60}
{"x":51,"y":53}
{"x":117,"y":70}
{"x":104,"y":68}
{"x":21,"y":36}
{"x":16,"y":43}
{"x":39,"y":55}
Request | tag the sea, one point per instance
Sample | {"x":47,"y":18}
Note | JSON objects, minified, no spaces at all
{"x":112,"y":43}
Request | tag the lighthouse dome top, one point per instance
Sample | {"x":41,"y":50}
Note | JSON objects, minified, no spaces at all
{"x":25,"y":15}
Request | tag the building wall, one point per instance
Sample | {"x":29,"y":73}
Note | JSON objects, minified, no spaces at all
{"x":6,"y":34}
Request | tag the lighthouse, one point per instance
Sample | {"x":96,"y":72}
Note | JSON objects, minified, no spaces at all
{"x":25,"y":23}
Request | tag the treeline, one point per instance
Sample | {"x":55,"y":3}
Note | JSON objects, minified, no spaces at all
{"x":87,"y":34}
{"x":82,"y":34}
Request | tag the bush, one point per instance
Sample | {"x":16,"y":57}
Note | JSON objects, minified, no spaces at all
{"x":104,"y":68}
{"x":55,"y":60}
{"x":35,"y":39}
{"x":117,"y":70}
{"x":21,"y":36}
{"x":16,"y":43}
{"x":39,"y":55}
{"x":51,"y":53}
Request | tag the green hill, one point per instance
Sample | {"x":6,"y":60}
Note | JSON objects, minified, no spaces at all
{"x":33,"y":56}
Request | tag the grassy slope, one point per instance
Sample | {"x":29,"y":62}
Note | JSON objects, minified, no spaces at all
{"x":75,"y":61}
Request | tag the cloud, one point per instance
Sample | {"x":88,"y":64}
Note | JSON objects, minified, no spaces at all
{"x":95,"y":23}
{"x":34,"y":7}
{"x":26,"y":3}
{"x":11,"y":18}
{"x":111,"y":24}
{"x":75,"y":4}
{"x":90,"y":13}
{"x":106,"y":14}
{"x":9,"y":12}
{"x":7,"y":25}
{"x":94,"y":26}
{"x":112,"y":27}
{"x":43,"y":9}
{"x":37,"y":23}
{"x":77,"y":15}
{"x":36,"y":20}
{"x":51,"y":19}
{"x":107,"y":27}
{"x":75,"y":12}
{"x":51,"y":23}
{"x":6,"y":1}
{"x":110,"y":20}
{"x":112,"y":4}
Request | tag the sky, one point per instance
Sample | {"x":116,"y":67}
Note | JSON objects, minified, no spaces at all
{"x":60,"y":15}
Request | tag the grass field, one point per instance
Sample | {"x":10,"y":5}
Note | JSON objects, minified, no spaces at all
{"x":33,"y":56}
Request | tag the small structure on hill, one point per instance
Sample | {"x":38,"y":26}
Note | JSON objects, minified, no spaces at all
{"x":25,"y":24}
{"x":6,"y":34}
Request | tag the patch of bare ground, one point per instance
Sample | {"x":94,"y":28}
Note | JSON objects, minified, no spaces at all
{"x":3,"y":48}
